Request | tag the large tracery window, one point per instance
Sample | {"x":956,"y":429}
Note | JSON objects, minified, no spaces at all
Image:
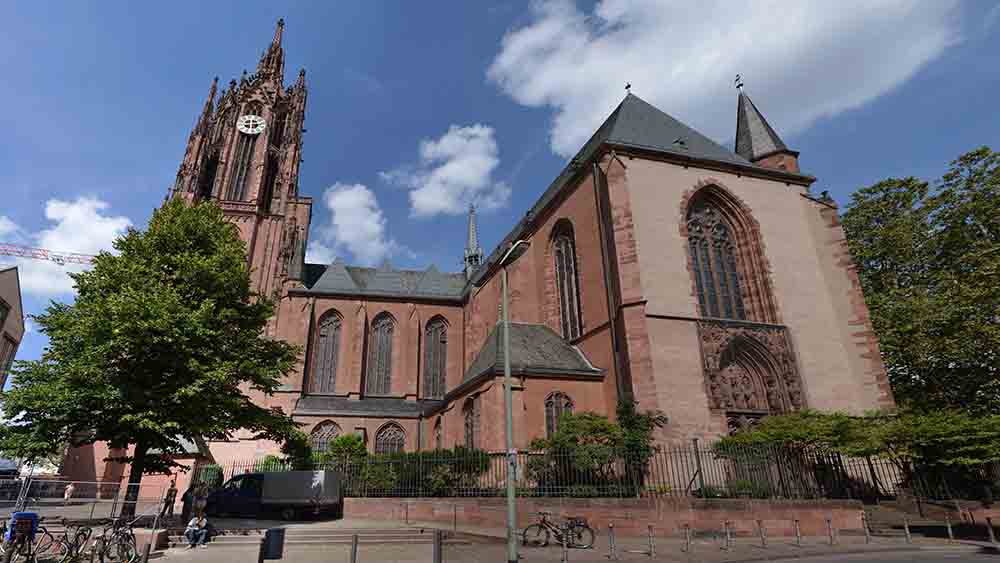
{"x":241,"y":169}
{"x":378,"y":380}
{"x":567,"y":280}
{"x":712,"y":244}
{"x":323,"y":435}
{"x":327,"y":353}
{"x":556,"y":405}
{"x":435,"y":358}
{"x":390,"y":439}
{"x":470,"y":411}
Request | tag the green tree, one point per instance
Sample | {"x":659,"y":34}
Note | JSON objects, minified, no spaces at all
{"x":929,"y":262}
{"x":164,"y":341}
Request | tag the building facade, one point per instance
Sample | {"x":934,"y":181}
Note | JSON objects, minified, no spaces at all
{"x":706,"y":283}
{"x":11,"y":320}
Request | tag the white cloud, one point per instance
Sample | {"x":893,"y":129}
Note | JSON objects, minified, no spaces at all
{"x":29,"y":327}
{"x":80,"y":226}
{"x":357,"y":225}
{"x":801,"y":61}
{"x":455,"y":171}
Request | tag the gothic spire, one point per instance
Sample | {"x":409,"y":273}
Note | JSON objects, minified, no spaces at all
{"x":756,"y":141}
{"x":273,"y":60}
{"x":473,"y":252}
{"x":206,"y":112}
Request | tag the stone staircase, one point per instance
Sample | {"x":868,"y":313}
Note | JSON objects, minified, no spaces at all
{"x":315,"y":536}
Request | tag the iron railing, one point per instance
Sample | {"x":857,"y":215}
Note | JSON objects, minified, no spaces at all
{"x":732,"y":472}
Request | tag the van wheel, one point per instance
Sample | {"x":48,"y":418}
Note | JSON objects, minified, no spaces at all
{"x":288,"y":514}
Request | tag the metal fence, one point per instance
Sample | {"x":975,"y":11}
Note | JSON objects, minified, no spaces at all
{"x":79,"y":500}
{"x":703,"y":472}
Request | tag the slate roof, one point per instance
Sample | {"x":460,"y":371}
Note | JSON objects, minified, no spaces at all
{"x":384,"y":281}
{"x":322,"y":405}
{"x":754,"y":136}
{"x":633,"y":124}
{"x":188,"y":447}
{"x":534,"y":349}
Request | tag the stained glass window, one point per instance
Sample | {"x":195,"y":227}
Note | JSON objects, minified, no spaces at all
{"x":327,"y":353}
{"x":556,"y":405}
{"x":435,"y":358}
{"x":378,"y":381}
{"x":324,"y":434}
{"x":567,"y":282}
{"x":390,"y":439}
{"x":713,"y":259}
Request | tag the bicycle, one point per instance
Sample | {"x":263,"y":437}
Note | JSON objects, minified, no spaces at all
{"x":116,"y":543}
{"x":73,"y":549}
{"x":27,"y":542}
{"x":580,"y":535}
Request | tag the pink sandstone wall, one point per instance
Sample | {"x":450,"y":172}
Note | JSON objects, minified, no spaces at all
{"x":668,"y":516}
{"x":810,"y":293}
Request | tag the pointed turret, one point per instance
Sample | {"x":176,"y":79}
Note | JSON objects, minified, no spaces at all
{"x":272,"y":63}
{"x":473,"y":252}
{"x":757,"y":142}
{"x":206,"y":112}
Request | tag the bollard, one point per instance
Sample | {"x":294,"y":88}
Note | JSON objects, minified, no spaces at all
{"x":951,"y":533}
{"x":864,"y":524}
{"x":798,"y":534}
{"x":454,"y":517}
{"x":437,"y":546}
{"x":145,"y":550}
{"x":989,"y":530}
{"x":906,"y":529}
{"x":564,"y":537}
{"x":829,"y":530}
{"x":652,"y":546}
{"x":354,"y":548}
{"x":406,"y":513}
{"x":687,"y":538}
{"x":762,"y":532}
{"x":612,"y":548}
{"x":727,"y":538}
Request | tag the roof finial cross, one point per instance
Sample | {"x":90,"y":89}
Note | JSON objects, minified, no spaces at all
{"x":739,"y":82}
{"x":628,"y":87}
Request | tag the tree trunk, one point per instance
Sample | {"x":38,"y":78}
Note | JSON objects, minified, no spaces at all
{"x":134,"y":480}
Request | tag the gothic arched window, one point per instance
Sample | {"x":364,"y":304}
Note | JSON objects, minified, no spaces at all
{"x":241,"y":169}
{"x":438,"y":437}
{"x":379,"y":377}
{"x":713,"y":247}
{"x":323,"y":435}
{"x":567,"y":280}
{"x":556,"y":405}
{"x":390,"y":439}
{"x":435,"y":358}
{"x":470,"y":412}
{"x":327,"y":353}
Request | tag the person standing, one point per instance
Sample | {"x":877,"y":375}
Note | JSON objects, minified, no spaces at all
{"x":68,"y":493}
{"x":187,"y":502}
{"x":200,"y":498}
{"x":168,"y":499}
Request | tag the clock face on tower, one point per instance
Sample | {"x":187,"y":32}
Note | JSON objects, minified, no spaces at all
{"x":250,"y":124}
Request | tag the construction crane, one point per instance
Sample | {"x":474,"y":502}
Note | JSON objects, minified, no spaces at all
{"x":61,"y":258}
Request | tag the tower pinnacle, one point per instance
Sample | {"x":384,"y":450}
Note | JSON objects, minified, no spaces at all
{"x":272,"y":62}
{"x":473,"y":252}
{"x":756,"y":141}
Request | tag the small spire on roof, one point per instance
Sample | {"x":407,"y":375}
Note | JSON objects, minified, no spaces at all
{"x":473,"y":252}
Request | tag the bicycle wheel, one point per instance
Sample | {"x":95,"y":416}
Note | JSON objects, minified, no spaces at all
{"x":120,"y":550}
{"x":45,"y":544}
{"x":581,"y":536}
{"x":535,"y":535}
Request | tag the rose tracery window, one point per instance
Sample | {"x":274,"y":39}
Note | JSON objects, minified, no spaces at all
{"x":567,"y":281}
{"x":378,"y":380}
{"x":327,"y":352}
{"x":390,"y":439}
{"x":435,"y":358}
{"x":713,"y":248}
{"x":556,"y":405}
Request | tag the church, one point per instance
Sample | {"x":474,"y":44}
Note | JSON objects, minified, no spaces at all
{"x":706,"y":283}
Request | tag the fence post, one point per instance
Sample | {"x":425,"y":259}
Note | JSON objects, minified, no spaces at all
{"x":798,"y":534}
{"x":437,"y":546}
{"x":951,"y":533}
{"x":762,"y":532}
{"x":906,"y":529}
{"x":989,"y":530}
{"x":612,"y":548}
{"x":354,"y":548}
{"x":864,"y":524}
{"x":697,"y":464}
{"x":652,"y":545}
{"x":829,"y":529}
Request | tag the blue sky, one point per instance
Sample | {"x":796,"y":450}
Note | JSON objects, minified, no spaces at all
{"x":417,"y":108}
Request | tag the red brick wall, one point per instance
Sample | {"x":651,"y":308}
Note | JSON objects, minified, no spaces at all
{"x":630,"y":516}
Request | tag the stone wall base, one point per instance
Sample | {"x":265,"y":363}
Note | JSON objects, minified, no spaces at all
{"x":668,"y":516}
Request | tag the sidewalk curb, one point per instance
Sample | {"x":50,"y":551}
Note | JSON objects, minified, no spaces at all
{"x":902,"y":549}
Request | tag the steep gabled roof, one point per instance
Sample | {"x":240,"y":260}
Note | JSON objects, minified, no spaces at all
{"x":535,"y":349}
{"x":384,"y":281}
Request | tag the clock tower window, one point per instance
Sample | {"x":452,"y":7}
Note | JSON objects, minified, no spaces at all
{"x":244,"y":154}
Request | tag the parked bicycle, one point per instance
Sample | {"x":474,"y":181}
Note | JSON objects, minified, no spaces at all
{"x":27,"y":542}
{"x":116,"y":543}
{"x":74,"y":543}
{"x":580,"y":534}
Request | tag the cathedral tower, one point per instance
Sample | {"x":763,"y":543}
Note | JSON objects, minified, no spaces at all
{"x":244,"y":153}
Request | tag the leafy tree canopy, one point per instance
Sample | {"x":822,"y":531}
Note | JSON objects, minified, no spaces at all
{"x":929,"y":262}
{"x":164,"y":342}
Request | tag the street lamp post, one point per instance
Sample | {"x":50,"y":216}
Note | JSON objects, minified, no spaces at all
{"x":513,"y":253}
